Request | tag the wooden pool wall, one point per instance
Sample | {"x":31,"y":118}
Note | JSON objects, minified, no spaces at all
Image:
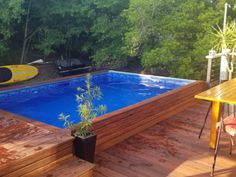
{"x":115,"y":127}
{"x":119,"y":125}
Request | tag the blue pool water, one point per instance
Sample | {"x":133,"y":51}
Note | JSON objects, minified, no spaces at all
{"x":45,"y":102}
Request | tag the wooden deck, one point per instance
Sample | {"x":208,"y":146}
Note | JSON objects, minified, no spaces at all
{"x":32,"y":149}
{"x":26,"y":145}
{"x":170,"y":148}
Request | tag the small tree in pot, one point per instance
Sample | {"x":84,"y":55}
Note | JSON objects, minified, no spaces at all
{"x":225,"y":42}
{"x":85,"y":140}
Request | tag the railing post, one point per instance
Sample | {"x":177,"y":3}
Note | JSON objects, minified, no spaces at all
{"x":224,"y":65}
{"x":209,"y":65}
{"x":209,"y":57}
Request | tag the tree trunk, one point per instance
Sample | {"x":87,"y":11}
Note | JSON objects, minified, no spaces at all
{"x":25,"y":33}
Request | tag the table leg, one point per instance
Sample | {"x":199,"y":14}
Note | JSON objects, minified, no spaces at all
{"x":214,"y":120}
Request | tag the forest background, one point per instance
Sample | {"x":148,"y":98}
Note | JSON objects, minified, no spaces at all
{"x":166,"y":37}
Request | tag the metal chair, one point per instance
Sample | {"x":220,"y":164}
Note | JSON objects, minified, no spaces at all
{"x":227,"y":124}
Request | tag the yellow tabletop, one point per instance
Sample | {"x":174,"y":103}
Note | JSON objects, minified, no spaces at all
{"x":223,"y":93}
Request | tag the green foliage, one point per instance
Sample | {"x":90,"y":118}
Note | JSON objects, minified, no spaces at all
{"x":225,"y":39}
{"x":108,"y":30}
{"x":87,"y":111}
{"x":170,"y":36}
{"x":93,"y":28}
{"x":174,"y":35}
{"x":11,"y":11}
{"x":61,"y":21}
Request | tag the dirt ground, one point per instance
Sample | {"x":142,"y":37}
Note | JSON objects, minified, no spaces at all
{"x":46,"y":72}
{"x":49,"y":71}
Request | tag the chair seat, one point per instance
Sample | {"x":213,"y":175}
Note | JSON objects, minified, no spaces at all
{"x":229,"y":125}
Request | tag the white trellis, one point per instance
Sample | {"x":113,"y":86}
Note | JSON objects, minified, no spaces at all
{"x":226,"y":66}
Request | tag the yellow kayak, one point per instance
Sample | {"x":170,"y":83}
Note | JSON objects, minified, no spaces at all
{"x":17,"y":73}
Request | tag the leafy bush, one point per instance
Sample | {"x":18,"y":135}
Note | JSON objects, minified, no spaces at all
{"x":87,"y":111}
{"x":225,"y":39}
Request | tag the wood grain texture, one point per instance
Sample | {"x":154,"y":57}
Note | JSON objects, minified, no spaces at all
{"x":225,"y":93}
{"x":170,"y":148}
{"x":115,"y":127}
{"x":71,"y":168}
{"x":25,"y":146}
{"x":214,"y":119}
{"x":29,"y":147}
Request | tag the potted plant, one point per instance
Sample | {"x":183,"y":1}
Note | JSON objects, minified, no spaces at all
{"x":225,"y":39}
{"x":225,"y":42}
{"x":85,"y":139}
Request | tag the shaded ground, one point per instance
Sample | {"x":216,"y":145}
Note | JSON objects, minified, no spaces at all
{"x":49,"y":71}
{"x":46,"y":72}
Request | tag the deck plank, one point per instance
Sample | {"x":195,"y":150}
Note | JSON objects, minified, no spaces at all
{"x":170,"y":148}
{"x":24,"y":144}
{"x":73,"y":167}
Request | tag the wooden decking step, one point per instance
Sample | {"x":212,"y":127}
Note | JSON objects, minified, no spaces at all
{"x":71,"y":168}
{"x":26,"y":145}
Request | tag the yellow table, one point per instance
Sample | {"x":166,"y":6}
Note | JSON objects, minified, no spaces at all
{"x":223,"y":93}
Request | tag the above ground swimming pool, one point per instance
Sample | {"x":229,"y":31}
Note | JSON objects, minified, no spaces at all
{"x":44,"y":102}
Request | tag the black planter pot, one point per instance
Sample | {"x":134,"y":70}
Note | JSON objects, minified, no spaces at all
{"x":85,"y":147}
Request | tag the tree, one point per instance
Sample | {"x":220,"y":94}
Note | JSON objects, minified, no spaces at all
{"x":11,"y":11}
{"x":173,"y":36}
{"x":26,"y":37}
{"x":93,"y":28}
{"x":108,"y":30}
{"x":170,"y":37}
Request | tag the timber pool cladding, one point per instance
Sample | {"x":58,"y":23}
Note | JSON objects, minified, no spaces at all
{"x":51,"y":155}
{"x":116,"y":126}
{"x":26,"y":146}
